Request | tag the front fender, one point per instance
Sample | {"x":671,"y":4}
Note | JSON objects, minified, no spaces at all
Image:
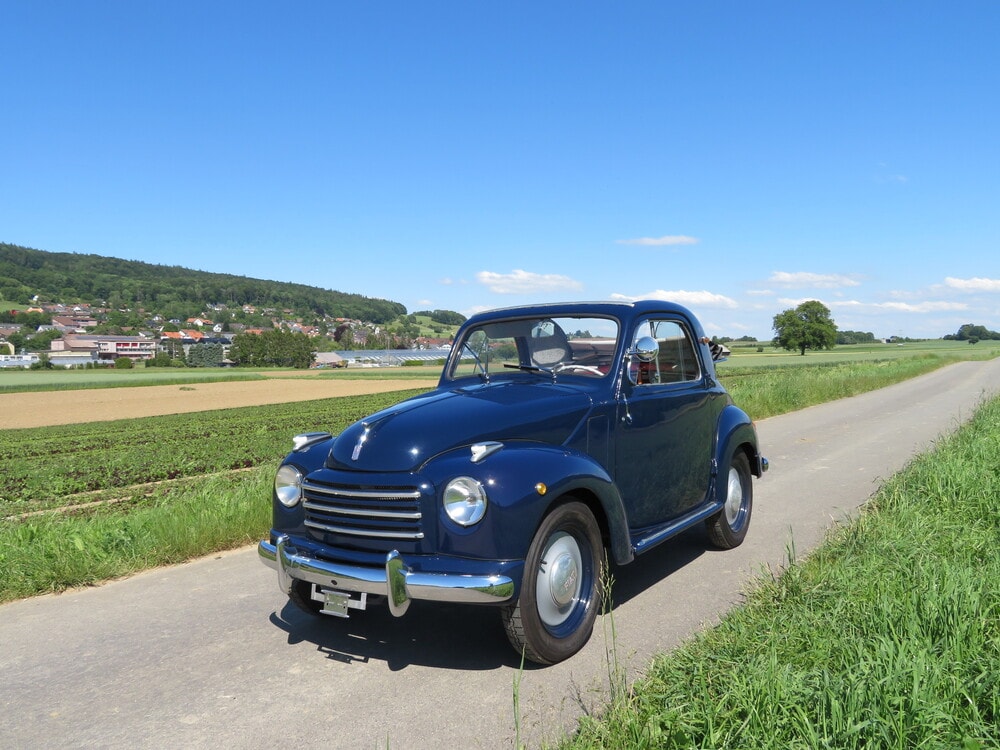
{"x":523,"y":481}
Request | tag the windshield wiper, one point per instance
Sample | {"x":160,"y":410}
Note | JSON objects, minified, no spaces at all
{"x":531,"y":368}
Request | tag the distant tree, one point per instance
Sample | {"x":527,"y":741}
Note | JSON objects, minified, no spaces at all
{"x":205,"y":355}
{"x":970,"y":331}
{"x":445,"y":317}
{"x":855,"y":337}
{"x":35,"y":342}
{"x":26,"y":319}
{"x":124,"y":363}
{"x":43,"y":363}
{"x":274,"y":348}
{"x":808,"y":326}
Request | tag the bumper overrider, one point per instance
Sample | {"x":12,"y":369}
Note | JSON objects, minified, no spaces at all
{"x":396,"y":581}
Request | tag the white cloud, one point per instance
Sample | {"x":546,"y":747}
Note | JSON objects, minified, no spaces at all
{"x":524,"y":282}
{"x":812,"y":280}
{"x":788,"y":302}
{"x":974,"y":284}
{"x":903,"y":307}
{"x":665,"y":241}
{"x":690,"y":299}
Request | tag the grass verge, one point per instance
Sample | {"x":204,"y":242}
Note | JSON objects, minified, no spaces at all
{"x":888,"y":636}
{"x":778,"y":389}
{"x":55,"y":551}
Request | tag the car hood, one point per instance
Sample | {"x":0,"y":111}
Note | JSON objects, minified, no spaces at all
{"x":404,"y":436}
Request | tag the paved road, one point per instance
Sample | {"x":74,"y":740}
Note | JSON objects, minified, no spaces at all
{"x":208,"y":655}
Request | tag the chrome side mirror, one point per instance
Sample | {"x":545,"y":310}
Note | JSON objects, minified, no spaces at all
{"x":645,"y":349}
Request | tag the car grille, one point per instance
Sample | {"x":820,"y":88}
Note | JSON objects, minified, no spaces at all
{"x":363,"y":512}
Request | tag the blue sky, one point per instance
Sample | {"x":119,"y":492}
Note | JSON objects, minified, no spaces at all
{"x":736,"y":157}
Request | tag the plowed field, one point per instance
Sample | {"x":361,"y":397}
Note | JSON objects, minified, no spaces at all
{"x":49,"y":408}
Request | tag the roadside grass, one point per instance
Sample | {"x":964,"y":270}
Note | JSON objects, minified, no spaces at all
{"x":53,"y":552}
{"x":766,"y":391}
{"x":887,"y":636}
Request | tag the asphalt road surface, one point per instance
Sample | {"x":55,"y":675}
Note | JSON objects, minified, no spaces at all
{"x":209,"y":655}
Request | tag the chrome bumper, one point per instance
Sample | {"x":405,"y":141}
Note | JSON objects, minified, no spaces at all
{"x":395,"y":581}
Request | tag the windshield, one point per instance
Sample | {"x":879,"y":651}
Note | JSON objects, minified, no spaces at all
{"x":550,"y":345}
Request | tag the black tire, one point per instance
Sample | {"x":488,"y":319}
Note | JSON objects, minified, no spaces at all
{"x":560,"y":595}
{"x":728,"y":528}
{"x":301,"y":597}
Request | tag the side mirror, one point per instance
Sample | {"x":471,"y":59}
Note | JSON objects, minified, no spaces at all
{"x":645,"y":349}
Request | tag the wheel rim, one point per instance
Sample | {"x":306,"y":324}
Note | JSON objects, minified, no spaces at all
{"x":734,"y":499}
{"x":560,"y":580}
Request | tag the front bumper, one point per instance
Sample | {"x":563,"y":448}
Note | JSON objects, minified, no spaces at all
{"x":396,"y":581}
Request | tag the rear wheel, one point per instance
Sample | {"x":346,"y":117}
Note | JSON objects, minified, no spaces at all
{"x":561,"y":590}
{"x":728,"y":528}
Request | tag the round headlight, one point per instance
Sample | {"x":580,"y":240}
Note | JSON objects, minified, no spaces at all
{"x":465,"y":501}
{"x":288,"y":485}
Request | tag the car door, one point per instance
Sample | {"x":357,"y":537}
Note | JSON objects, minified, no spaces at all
{"x":666,"y":426}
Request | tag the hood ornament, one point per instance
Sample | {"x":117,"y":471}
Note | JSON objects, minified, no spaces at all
{"x":362,"y":439}
{"x":483,"y":450}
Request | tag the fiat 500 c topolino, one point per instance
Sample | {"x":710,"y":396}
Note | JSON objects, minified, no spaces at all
{"x":558,"y":437}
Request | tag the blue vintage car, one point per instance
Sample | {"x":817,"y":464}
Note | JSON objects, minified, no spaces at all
{"x":559,"y":436}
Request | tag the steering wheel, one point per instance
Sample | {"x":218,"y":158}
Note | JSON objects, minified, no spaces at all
{"x":584,"y":368}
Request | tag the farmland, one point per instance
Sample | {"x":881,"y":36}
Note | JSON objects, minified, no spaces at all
{"x":139,"y":491}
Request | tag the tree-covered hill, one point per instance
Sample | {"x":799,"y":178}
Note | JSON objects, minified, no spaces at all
{"x":171,"y":291}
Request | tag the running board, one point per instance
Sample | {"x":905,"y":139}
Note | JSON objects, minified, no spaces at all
{"x":653,"y":538}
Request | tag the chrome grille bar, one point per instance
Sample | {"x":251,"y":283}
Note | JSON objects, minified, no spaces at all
{"x":371,"y":512}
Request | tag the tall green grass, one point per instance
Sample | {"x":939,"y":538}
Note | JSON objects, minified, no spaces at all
{"x":51,"y":552}
{"x":888,"y":636}
{"x":778,"y":389}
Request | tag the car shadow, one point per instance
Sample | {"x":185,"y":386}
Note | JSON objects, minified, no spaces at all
{"x":454,"y":636}
{"x":447,"y":636}
{"x":648,"y":569}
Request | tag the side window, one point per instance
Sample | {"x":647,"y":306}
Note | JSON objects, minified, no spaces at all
{"x":676,"y":362}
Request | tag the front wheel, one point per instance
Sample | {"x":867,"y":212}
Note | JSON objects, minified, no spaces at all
{"x":561,"y":591}
{"x":301,"y":597}
{"x":728,"y":528}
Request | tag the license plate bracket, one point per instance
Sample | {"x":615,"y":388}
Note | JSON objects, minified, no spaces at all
{"x":338,"y":603}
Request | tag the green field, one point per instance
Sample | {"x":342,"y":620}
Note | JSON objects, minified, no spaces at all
{"x":19,"y":381}
{"x":748,"y":356}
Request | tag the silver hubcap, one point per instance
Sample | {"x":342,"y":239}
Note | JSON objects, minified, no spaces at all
{"x":557,"y":586}
{"x":734,"y":497}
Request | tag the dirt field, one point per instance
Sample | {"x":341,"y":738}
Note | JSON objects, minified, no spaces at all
{"x":19,"y":410}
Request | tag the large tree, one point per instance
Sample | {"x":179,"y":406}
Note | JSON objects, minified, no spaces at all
{"x":808,"y":326}
{"x":273,"y":348}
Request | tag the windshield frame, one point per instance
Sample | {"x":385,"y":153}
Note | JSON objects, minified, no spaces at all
{"x":552,"y":344}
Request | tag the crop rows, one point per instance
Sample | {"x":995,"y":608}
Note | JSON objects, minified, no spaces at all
{"x":57,"y":466}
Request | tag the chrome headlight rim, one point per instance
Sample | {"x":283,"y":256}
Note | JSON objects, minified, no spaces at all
{"x":288,"y":485}
{"x":465,"y":501}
